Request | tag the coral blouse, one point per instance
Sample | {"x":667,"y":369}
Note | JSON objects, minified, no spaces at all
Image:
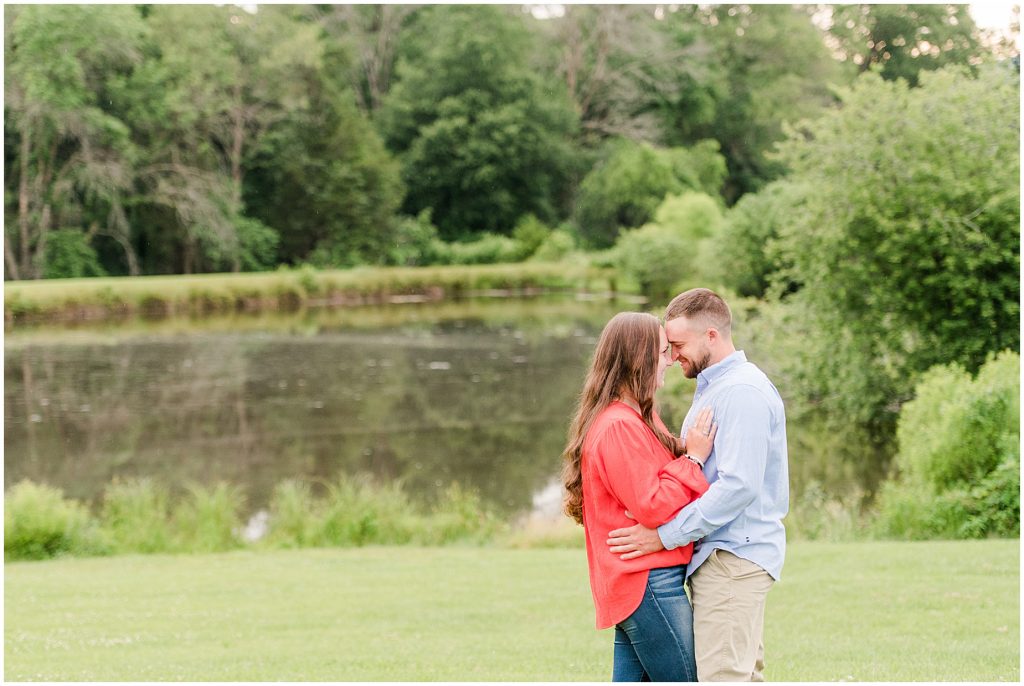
{"x":625,"y":467}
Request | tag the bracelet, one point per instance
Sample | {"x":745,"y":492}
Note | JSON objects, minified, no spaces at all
{"x":694,"y":460}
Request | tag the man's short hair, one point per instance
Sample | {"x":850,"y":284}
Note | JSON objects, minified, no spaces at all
{"x":702,"y":305}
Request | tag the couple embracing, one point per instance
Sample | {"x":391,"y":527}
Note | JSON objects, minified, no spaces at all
{"x":660,"y":511}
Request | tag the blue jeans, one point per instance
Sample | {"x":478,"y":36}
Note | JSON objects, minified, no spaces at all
{"x":655,"y":643}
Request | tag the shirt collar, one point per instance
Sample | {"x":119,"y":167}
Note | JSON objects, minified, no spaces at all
{"x":719,"y":369}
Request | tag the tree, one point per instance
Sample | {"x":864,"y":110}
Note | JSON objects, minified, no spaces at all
{"x":772,"y":68}
{"x":70,"y":159}
{"x":369,"y":35}
{"x":625,"y":189}
{"x":483,"y":139}
{"x":228,"y":77}
{"x":906,"y":250}
{"x":620,"y":66}
{"x":746,"y":257}
{"x":903,"y":40}
{"x":325,"y":181}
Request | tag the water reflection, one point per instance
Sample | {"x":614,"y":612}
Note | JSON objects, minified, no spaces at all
{"x":482,"y":399}
{"x":476,"y":392}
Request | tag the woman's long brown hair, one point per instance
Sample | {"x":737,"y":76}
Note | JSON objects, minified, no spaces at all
{"x":625,"y":360}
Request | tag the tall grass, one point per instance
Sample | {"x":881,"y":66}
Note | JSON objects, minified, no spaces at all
{"x":285,"y":289}
{"x":209,"y":519}
{"x":357,"y":511}
{"x":135,"y":515}
{"x":139,"y":516}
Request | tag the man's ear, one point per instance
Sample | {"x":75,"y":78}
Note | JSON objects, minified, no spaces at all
{"x":713,"y":335}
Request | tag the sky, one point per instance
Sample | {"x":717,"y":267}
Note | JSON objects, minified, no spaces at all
{"x":995,"y":15}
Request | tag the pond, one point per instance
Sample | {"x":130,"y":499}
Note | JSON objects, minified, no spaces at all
{"x":477,"y":392}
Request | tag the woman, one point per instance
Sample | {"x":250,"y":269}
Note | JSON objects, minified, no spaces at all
{"x":621,"y":457}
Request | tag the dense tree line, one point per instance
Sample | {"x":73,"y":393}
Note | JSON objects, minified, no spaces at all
{"x":178,"y":139}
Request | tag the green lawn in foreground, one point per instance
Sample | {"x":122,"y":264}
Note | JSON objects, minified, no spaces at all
{"x":862,"y":611}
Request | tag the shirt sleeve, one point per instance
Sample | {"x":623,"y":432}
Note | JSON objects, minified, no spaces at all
{"x":741,"y":453}
{"x":631,"y":469}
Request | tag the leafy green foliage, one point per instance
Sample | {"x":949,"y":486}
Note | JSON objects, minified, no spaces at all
{"x":658,"y":256}
{"x":74,"y":156}
{"x":903,"y":40}
{"x":558,"y":244}
{"x":487,"y":248}
{"x":959,"y":455}
{"x":211,"y":138}
{"x":654,"y":256}
{"x":325,"y":182}
{"x":530,"y":233}
{"x":746,"y":258}
{"x":484,"y":139}
{"x":625,"y":189}
{"x":416,"y":241}
{"x":69,"y":255}
{"x":257,"y":244}
{"x":906,"y":255}
{"x":768,"y":66}
{"x":357,"y":511}
{"x":39,"y":523}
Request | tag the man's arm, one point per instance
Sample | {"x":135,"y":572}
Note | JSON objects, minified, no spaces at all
{"x":741,"y":450}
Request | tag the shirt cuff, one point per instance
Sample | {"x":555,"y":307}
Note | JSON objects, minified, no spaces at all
{"x":663,"y":535}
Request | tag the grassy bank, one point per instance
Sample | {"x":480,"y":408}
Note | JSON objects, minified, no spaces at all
{"x":158,"y":296}
{"x":143,"y":516}
{"x":936,"y":611}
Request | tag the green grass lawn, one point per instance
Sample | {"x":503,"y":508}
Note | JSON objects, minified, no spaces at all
{"x":858,"y":611}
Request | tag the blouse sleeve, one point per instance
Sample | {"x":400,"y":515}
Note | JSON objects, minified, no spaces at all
{"x":629,"y":464}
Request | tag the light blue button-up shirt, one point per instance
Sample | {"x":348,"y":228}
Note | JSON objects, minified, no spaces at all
{"x":747,"y":471}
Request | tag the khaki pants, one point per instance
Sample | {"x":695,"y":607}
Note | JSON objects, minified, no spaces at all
{"x":728,"y":595}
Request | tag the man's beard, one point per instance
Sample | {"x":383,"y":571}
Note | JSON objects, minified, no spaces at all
{"x":699,"y":365}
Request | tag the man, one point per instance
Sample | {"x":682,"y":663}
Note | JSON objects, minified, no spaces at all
{"x":740,"y":516}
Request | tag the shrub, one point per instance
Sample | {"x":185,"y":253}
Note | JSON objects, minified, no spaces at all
{"x":906,"y":250}
{"x":257,"y":244}
{"x":415,"y":242}
{"x":488,"y":248}
{"x":530,"y":233}
{"x":701,"y":167}
{"x":959,"y":455}
{"x":556,"y":246}
{"x":625,"y":190}
{"x":39,"y":523}
{"x":662,"y":255}
{"x":653,"y":256}
{"x":69,"y":255}
{"x":695,"y":216}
